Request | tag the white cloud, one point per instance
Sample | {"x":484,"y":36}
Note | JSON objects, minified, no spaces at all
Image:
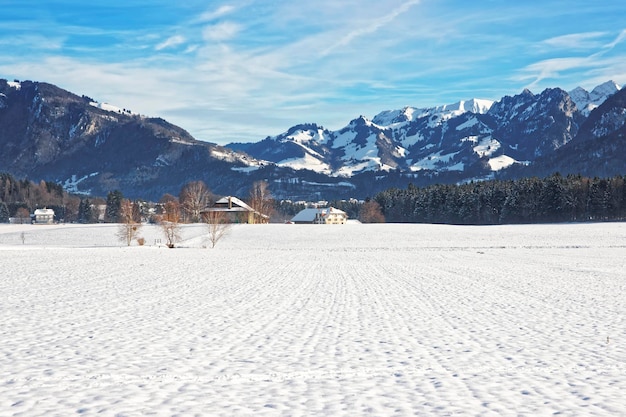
{"x":324,"y":61}
{"x":221,"y":32}
{"x":552,"y":68}
{"x":618,"y":40}
{"x":586,"y":67}
{"x":215,"y":14}
{"x":171,"y":42}
{"x":576,"y":41}
{"x":372,"y":26}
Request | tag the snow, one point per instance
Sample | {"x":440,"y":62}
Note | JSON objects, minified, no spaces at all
{"x":478,"y":106}
{"x":586,"y":101}
{"x":501,"y":162}
{"x":230,"y":156}
{"x":472,"y":121}
{"x":306,"y":320}
{"x":437,"y":160}
{"x":180,"y":141}
{"x":487,"y":146}
{"x":307,"y":161}
{"x":304,"y":137}
{"x":246,"y":169}
{"x":397,"y":118}
{"x":71,"y":184}
{"x":110,"y":107}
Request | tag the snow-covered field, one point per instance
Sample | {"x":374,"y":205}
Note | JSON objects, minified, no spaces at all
{"x":352,"y":320}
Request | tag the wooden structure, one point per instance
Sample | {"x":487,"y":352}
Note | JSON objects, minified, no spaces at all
{"x":236,"y":211}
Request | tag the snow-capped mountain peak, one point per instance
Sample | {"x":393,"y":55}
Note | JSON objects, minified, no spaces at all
{"x":586,"y":101}
{"x":470,"y":137}
{"x":474,"y":106}
{"x":392,"y":118}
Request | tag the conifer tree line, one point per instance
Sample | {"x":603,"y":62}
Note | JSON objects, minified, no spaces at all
{"x":556,"y":198}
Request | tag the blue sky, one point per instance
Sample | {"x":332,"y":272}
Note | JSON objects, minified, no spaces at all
{"x":242,"y":70}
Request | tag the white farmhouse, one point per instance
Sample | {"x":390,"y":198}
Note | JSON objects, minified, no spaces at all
{"x":44,"y":216}
{"x":329,"y":215}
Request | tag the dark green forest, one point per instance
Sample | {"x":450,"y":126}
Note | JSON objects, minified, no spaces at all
{"x":556,"y":198}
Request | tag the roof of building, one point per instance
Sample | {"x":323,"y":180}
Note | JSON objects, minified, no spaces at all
{"x":306,"y":215}
{"x":234,"y":201}
{"x":233,"y":204}
{"x":309,"y":214}
{"x":44,"y":211}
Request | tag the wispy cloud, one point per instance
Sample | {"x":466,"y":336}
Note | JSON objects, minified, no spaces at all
{"x":34,"y":42}
{"x":242,"y":69}
{"x":617,"y":40}
{"x":372,"y":26}
{"x":214,"y":14}
{"x":576,"y":41}
{"x":552,"y":68}
{"x":171,"y":42}
{"x":221,"y":31}
{"x":596,"y":60}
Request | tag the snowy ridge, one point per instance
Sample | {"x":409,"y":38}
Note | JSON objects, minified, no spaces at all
{"x":109,"y":107}
{"x":586,"y":101}
{"x":389,"y":118}
{"x":445,"y":138}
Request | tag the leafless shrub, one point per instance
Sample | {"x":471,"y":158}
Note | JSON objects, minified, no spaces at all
{"x":170,"y":223}
{"x":371,"y":212}
{"x":129,"y":227}
{"x":217,"y":226}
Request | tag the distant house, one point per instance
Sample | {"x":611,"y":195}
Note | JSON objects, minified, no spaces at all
{"x":329,"y":215}
{"x":237,"y":211}
{"x":43,"y":216}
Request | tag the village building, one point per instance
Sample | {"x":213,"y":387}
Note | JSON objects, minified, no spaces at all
{"x":329,"y":215}
{"x":43,"y":216}
{"x":236,"y":211}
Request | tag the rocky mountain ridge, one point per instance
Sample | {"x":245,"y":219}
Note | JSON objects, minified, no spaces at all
{"x":89,"y":147}
{"x":468,"y":136}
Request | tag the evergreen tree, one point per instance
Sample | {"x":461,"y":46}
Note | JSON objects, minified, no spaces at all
{"x":85,"y":211}
{"x":527,"y":200}
{"x":4,"y":212}
{"x":114,"y":206}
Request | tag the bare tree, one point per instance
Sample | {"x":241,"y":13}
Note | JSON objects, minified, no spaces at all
{"x":261,"y":201}
{"x":170,"y":223}
{"x":194,"y":197}
{"x":129,"y":225}
{"x":23,"y":215}
{"x":217,"y":226}
{"x":371,"y":212}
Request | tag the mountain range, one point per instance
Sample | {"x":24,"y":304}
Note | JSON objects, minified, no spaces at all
{"x":470,"y":138}
{"x":90,"y":147}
